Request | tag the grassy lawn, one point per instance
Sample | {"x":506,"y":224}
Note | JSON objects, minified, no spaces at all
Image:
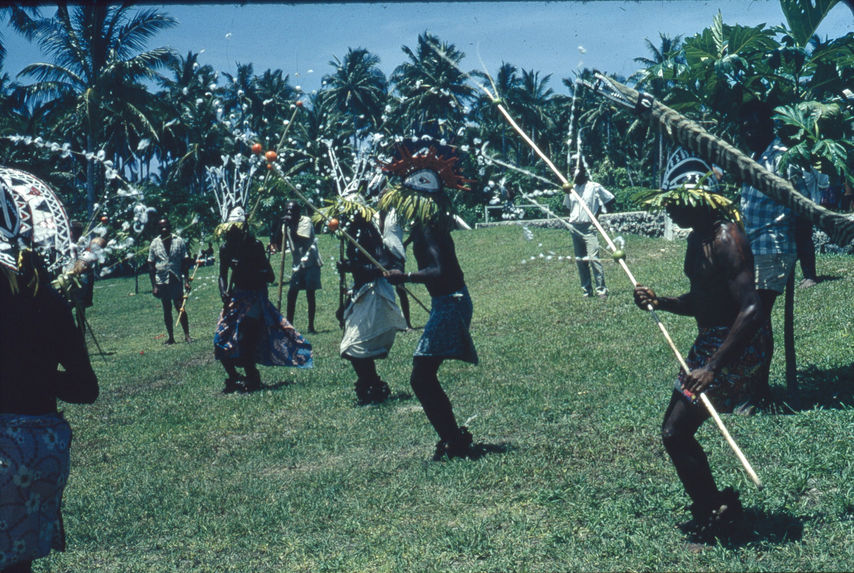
{"x":168,"y":474}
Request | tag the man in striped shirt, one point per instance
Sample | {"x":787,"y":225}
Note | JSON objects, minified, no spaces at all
{"x":770,"y":226}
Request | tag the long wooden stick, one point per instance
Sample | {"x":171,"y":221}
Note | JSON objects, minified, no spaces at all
{"x":187,"y":294}
{"x":566,"y":185}
{"x":95,"y":340}
{"x":281,"y":269}
{"x":347,"y":236}
{"x":709,"y":407}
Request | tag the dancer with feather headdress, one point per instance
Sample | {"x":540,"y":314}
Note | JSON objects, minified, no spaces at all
{"x":426,"y":169}
{"x":250,"y":330}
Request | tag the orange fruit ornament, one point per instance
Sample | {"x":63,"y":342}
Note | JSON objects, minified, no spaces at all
{"x":256,"y":148}
{"x":332,"y":224}
{"x":271,"y":156}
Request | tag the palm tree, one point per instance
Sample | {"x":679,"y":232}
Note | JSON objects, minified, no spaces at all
{"x":666,"y":63}
{"x":359,"y":88}
{"x":98,"y":61}
{"x":21,"y":20}
{"x":190,"y":135}
{"x":276,"y":95}
{"x":432,"y":92}
{"x":532,"y":98}
{"x":493,"y":128}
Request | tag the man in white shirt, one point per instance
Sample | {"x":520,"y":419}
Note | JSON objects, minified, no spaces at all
{"x":168,"y":264}
{"x":584,"y":238}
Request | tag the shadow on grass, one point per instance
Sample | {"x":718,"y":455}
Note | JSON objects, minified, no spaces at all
{"x":828,"y":389}
{"x":481,"y":449}
{"x":270,"y":386}
{"x":760,"y":526}
{"x":757,"y":526}
{"x":827,"y":278}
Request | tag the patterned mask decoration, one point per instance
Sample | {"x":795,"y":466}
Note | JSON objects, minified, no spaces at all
{"x":689,"y":182}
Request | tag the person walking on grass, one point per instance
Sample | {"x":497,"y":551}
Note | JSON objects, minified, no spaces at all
{"x":727,"y":355}
{"x":250,"y":330}
{"x":585,"y":240}
{"x":299,"y":232}
{"x":371,"y":317}
{"x":770,"y":226}
{"x":168,"y":264}
{"x":446,"y":336}
{"x":812,"y":184}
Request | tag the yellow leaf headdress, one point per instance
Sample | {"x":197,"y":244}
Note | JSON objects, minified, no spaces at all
{"x":689,"y":182}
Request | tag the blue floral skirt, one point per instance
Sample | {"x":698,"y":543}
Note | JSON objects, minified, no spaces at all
{"x":733,"y":385}
{"x":34,"y":460}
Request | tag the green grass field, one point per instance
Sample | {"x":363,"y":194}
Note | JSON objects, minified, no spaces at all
{"x":168,"y":474}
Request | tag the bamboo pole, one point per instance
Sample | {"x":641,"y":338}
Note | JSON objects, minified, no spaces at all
{"x":187,"y":293}
{"x":281,"y":269}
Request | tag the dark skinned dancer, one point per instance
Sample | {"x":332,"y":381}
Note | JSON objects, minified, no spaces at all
{"x":37,"y":335}
{"x":250,"y":330}
{"x":446,"y":334}
{"x":725,"y":357}
{"x":371,"y":316}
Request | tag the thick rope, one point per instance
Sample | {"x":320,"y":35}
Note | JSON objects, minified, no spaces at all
{"x":840,"y":228}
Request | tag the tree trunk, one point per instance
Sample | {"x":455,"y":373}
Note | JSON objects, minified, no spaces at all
{"x":789,"y":342}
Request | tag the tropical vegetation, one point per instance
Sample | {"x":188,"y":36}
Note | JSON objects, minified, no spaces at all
{"x":161,"y":120}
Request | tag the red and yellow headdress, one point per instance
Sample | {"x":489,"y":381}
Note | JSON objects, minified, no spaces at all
{"x":425,"y":170}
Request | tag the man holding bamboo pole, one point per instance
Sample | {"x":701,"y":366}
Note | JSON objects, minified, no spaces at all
{"x":168,"y":264}
{"x":727,"y":354}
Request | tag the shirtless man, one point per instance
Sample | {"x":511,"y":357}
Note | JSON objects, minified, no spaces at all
{"x":446,"y":334}
{"x":725,"y":357}
{"x":425,"y":174}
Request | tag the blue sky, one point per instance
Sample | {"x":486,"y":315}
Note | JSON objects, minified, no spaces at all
{"x":551,"y":37}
